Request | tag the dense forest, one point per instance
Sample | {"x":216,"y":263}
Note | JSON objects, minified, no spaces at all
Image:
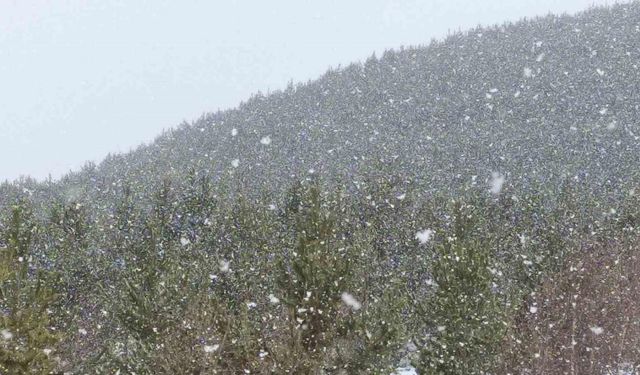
{"x":464,"y":207}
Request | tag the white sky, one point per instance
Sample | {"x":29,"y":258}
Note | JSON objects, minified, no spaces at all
{"x":79,"y":79}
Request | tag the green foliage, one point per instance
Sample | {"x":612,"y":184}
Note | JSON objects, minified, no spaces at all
{"x":322,"y":269}
{"x":465,"y":315}
{"x":149,"y":295}
{"x":211,"y":337}
{"x":312,"y":277}
{"x":26,"y":339}
{"x":306,"y":282}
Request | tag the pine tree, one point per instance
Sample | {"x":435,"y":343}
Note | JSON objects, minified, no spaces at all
{"x":26,"y":339}
{"x":148,"y":295}
{"x":313,"y":276}
{"x":464,"y":314}
{"x":323,"y":293}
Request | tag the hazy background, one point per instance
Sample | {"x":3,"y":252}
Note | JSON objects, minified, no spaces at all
{"x":79,"y":79}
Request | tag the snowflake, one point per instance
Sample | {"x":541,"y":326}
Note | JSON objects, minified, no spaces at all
{"x":424,"y":236}
{"x":350,"y":301}
{"x":6,"y":334}
{"x":273,"y":299}
{"x":528,"y":72}
{"x":211,"y":348}
{"x":266,"y":140}
{"x":497,"y":180}
{"x":224,"y":266}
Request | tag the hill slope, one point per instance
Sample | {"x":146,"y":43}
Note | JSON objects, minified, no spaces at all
{"x":535,"y":100}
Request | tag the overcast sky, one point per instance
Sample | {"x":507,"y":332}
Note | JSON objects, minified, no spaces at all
{"x":80,"y":79}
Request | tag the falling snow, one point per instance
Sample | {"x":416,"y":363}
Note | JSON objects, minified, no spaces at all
{"x":266,"y":140}
{"x":350,"y":301}
{"x":422,"y":208}
{"x":424,"y":236}
{"x":6,"y":334}
{"x":211,"y":348}
{"x":496,"y":183}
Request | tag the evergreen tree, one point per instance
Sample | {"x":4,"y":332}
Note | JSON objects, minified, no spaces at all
{"x":464,"y":314}
{"x":26,"y":339}
{"x":323,"y":294}
{"x":150,"y":291}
